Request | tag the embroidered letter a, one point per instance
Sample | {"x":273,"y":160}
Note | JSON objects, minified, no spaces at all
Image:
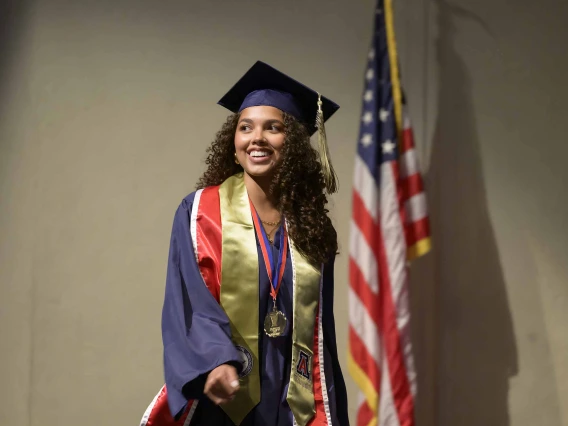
{"x":303,"y":366}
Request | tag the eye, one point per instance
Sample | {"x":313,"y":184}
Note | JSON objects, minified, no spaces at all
{"x":244,"y":127}
{"x":275,"y":127}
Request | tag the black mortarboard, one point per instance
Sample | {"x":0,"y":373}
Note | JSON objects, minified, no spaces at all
{"x":265,"y":85}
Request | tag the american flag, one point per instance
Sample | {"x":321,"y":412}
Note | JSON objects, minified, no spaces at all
{"x":389,"y":228}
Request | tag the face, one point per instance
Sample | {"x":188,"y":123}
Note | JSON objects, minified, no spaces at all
{"x":259,"y":139}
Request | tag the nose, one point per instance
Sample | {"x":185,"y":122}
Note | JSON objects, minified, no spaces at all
{"x":258,"y":135}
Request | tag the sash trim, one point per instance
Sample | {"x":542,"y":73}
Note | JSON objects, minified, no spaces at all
{"x":321,"y":356}
{"x":158,"y":412}
{"x":193,"y":224}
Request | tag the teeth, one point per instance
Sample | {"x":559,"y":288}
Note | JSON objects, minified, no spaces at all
{"x":259,"y":154}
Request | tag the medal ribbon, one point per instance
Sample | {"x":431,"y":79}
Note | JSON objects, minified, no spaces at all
{"x":275,"y":274}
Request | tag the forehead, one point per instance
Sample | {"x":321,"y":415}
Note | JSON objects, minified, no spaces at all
{"x":261,"y":112}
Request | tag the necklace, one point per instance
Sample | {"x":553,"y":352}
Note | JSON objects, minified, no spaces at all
{"x":269,"y":236}
{"x":274,"y":226}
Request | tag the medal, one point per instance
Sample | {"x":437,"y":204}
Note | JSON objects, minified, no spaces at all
{"x":275,"y":321}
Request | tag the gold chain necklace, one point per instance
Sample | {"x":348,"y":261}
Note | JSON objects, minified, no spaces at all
{"x":270,"y":239}
{"x":269,"y":234}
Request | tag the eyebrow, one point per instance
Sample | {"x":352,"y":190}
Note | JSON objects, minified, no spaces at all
{"x":270,"y":121}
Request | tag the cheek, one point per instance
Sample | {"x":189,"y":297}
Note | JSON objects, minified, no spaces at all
{"x":278,"y":144}
{"x":240,"y":143}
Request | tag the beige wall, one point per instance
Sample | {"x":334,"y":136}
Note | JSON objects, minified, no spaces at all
{"x":105,"y":112}
{"x":485,"y":82}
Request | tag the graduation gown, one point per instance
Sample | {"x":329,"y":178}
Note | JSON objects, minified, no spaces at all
{"x":197,"y":339}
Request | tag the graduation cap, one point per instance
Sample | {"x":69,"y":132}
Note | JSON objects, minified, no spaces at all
{"x":265,"y":85}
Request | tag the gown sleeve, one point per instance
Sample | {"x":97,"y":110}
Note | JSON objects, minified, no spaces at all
{"x":195,"y":329}
{"x":330,"y":342}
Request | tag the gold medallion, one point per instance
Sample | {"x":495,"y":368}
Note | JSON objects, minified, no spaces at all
{"x":275,"y":323}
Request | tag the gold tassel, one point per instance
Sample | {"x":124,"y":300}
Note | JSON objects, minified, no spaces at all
{"x":330,"y":177}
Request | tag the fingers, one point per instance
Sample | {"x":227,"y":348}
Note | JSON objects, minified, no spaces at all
{"x":222,"y":384}
{"x":220,"y":392}
{"x":231,"y":381}
{"x":218,"y":400}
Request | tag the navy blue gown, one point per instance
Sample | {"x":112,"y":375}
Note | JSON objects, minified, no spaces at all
{"x":197,"y":338}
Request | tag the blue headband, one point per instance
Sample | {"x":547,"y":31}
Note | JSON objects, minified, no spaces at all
{"x":282,"y":100}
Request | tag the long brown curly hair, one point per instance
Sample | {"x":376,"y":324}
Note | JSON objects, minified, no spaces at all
{"x":298,"y":186}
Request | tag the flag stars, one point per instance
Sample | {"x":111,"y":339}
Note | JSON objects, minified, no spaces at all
{"x":367,"y":118}
{"x":371,"y":54}
{"x":367,"y":139}
{"x":383,"y":115}
{"x":370,"y":74}
{"x":388,"y":147}
{"x":368,"y":96}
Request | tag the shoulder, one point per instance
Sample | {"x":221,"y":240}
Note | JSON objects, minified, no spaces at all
{"x":184,"y":207}
{"x":194,"y":197}
{"x":183,"y":212}
{"x":188,"y":200}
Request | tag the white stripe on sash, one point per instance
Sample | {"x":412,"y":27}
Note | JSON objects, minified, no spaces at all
{"x":148,"y":411}
{"x":193,"y":230}
{"x":321,"y":357}
{"x":293,"y":298}
{"x":191,"y":413}
{"x":193,"y":222}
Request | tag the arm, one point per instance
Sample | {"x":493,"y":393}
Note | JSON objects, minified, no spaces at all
{"x":331,"y":343}
{"x":195,"y":329}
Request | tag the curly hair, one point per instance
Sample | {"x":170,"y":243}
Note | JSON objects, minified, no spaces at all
{"x":298,"y":186}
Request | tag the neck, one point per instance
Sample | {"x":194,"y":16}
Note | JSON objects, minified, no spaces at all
{"x":258,"y":189}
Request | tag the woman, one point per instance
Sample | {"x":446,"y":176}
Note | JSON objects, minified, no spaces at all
{"x":248,"y":328}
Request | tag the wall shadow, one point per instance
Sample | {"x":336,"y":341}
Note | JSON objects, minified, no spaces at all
{"x":12,"y":23}
{"x":13,"y":14}
{"x":476,"y":349}
{"x":472,"y":352}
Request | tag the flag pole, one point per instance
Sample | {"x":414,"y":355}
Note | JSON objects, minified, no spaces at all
{"x":394,"y":71}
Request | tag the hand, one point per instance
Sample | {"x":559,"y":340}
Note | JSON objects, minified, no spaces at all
{"x":222,"y":384}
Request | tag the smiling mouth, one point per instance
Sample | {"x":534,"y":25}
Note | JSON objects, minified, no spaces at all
{"x":259,"y":155}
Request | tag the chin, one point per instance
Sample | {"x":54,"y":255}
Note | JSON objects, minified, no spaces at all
{"x":260,"y":171}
